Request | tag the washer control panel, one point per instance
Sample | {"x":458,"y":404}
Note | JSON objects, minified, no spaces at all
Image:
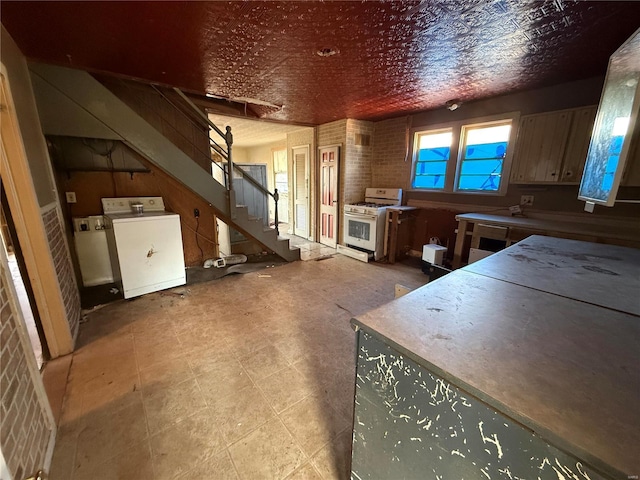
{"x":123,"y":204}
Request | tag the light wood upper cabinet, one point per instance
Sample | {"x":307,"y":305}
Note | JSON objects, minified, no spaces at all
{"x":552,"y":147}
{"x":578,"y":144}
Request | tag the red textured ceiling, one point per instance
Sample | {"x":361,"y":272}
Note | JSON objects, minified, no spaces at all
{"x":393,"y":57}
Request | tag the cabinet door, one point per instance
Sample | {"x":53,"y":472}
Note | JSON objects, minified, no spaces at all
{"x":540,"y":147}
{"x":578,"y":144}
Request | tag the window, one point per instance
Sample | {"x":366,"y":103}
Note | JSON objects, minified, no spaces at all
{"x":433,"y":150}
{"x":464,"y":157}
{"x":482,"y":157}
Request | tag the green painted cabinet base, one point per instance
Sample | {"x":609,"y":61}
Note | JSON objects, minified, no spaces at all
{"x":411,"y":424}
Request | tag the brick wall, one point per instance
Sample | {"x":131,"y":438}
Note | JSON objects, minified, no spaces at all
{"x":24,"y":427}
{"x":64,"y":269}
{"x":390,"y":169}
{"x":357,"y":160}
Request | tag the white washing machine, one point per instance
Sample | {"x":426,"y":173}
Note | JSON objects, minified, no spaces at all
{"x":145,"y":248}
{"x":93,"y":253}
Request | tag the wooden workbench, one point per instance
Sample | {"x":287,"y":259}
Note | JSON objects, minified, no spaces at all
{"x":517,"y":228}
{"x":392,"y":225}
{"x":509,"y":368}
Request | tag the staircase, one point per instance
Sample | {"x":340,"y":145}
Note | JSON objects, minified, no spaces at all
{"x":74,"y":94}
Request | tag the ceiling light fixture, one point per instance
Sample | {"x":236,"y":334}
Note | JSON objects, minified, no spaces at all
{"x":453,"y":104}
{"x":326,"y":52}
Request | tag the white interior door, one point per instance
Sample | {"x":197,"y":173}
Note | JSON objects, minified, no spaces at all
{"x":329,"y":217}
{"x":301,"y":191}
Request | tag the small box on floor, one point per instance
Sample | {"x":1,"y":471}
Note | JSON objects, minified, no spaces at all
{"x":433,"y":253}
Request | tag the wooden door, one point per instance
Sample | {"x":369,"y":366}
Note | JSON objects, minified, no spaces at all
{"x":301,"y":191}
{"x":329,"y":214}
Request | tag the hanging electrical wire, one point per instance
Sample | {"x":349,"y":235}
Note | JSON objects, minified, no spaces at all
{"x":197,"y":242}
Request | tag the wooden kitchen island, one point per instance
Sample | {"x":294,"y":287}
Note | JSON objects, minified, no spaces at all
{"x":524,"y":365}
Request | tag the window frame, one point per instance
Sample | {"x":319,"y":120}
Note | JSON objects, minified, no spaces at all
{"x":454,"y":164}
{"x":416,"y":150}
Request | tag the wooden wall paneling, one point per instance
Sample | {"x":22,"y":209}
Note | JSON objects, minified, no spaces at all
{"x":435,"y":223}
{"x":91,"y":187}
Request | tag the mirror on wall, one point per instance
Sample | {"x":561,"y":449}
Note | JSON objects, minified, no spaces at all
{"x":614,"y":127}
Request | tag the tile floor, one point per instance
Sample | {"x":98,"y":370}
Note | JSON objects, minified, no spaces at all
{"x":308,"y":250}
{"x":244,"y":377}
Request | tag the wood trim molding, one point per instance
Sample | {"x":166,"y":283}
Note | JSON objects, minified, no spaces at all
{"x":26,"y":212}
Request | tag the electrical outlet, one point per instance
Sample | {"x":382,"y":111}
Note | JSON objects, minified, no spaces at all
{"x":515,"y":209}
{"x":526,"y":200}
{"x":71,"y":197}
{"x":196,"y":212}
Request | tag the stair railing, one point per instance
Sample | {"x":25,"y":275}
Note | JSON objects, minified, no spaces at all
{"x":224,"y":151}
{"x":226,"y":154}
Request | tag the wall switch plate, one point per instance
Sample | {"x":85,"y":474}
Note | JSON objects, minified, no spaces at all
{"x":526,"y":200}
{"x":71,"y":197}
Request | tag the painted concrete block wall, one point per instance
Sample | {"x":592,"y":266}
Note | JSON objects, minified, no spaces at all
{"x":357,"y":160}
{"x":389,"y":168}
{"x":24,"y":427}
{"x":52,"y":220}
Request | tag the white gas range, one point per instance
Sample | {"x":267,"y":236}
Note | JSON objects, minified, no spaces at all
{"x":364,"y":222}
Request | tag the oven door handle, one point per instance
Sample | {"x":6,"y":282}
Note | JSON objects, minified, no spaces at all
{"x":359,"y":216}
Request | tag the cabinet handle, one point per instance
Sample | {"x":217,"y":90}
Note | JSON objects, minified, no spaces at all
{"x":553,"y":174}
{"x":568,"y":174}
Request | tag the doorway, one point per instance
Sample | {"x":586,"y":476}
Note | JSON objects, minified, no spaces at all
{"x":21,"y":283}
{"x":249,"y":195}
{"x":301,"y":191}
{"x":281,"y":181}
